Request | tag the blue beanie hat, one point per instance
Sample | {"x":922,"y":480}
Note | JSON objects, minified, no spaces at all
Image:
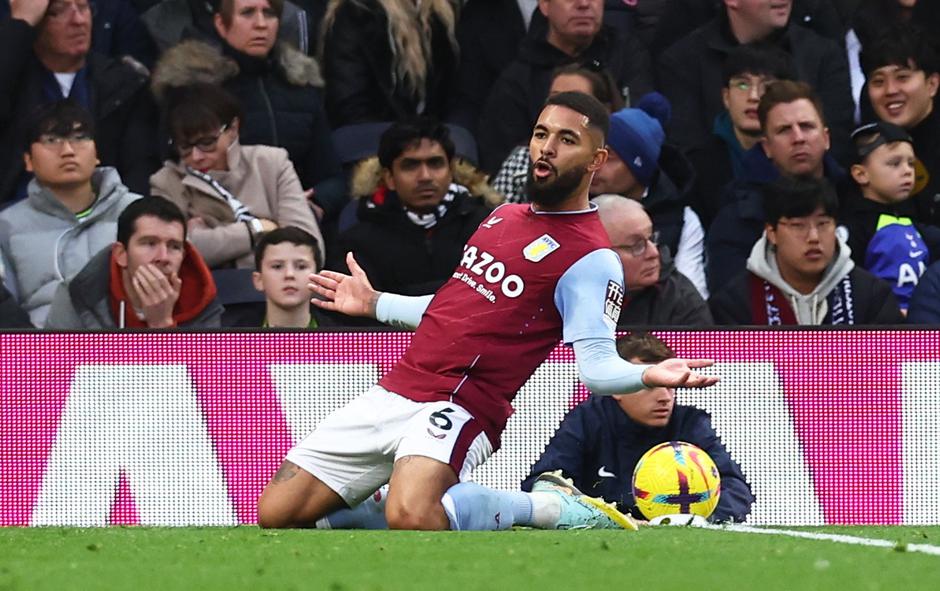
{"x":637,"y":135}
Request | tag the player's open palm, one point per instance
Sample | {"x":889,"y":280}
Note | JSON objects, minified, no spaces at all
{"x":679,"y":373}
{"x":351,"y":294}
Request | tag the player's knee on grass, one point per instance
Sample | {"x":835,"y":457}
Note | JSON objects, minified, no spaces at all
{"x":415,"y":514}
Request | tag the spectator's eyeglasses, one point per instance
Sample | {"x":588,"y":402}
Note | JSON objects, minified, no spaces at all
{"x":802,"y":228}
{"x":205,"y":143}
{"x":746,"y":84}
{"x":56,"y":141}
{"x":639,"y":247}
{"x":64,"y":10}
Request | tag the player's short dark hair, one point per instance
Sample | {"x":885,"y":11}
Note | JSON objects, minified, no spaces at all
{"x":758,"y":59}
{"x":226,"y":8}
{"x":902,"y":45}
{"x":643,"y":346}
{"x":603,"y":86}
{"x":291,"y":234}
{"x":61,"y":118}
{"x":587,"y":105}
{"x":798,"y":197}
{"x":200,"y":108}
{"x":787,"y":91}
{"x":158,"y":207}
{"x":408,"y":133}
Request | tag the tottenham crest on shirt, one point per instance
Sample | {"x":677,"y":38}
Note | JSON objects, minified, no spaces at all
{"x":540,"y":248}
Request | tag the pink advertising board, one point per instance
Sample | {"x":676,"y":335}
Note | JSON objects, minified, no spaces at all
{"x":184,"y":429}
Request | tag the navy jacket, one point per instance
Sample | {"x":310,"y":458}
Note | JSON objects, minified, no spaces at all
{"x":598,"y":446}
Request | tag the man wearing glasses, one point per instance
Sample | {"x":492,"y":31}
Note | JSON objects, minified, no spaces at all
{"x":70,"y":213}
{"x":800,"y":271}
{"x":641,"y":167}
{"x":656,"y":293}
{"x":45,"y":48}
{"x":746,"y":74}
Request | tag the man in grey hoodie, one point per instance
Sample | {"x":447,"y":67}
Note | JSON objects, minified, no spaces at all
{"x":70,"y":212}
{"x":800,"y":271}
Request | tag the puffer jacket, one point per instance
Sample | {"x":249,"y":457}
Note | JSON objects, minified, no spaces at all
{"x":44,"y":244}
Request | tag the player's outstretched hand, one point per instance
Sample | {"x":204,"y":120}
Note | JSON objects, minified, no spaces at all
{"x":678,"y":373}
{"x":348,"y":294}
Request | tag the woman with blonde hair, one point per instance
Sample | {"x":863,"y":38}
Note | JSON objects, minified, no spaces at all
{"x":387,"y":60}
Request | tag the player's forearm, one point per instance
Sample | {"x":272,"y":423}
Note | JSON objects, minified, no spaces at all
{"x":401,"y":311}
{"x":603,"y":371}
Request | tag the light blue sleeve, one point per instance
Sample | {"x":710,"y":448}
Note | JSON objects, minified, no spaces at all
{"x":603,"y":371}
{"x":401,"y":311}
{"x":589,"y":295}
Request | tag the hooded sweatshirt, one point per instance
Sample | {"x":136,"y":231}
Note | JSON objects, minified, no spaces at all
{"x":96,"y":298}
{"x":44,"y":244}
{"x":811,"y":308}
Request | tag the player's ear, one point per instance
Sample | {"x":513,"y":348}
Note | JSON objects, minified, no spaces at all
{"x":256,"y":281}
{"x":600,"y":157}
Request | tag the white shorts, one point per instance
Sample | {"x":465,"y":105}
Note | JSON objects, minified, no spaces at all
{"x":353,"y":449}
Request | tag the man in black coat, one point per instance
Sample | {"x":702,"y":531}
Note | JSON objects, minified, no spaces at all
{"x":689,"y":72}
{"x":903,"y":72}
{"x":414,"y":219}
{"x":600,"y":441}
{"x":45,"y":56}
{"x":575,"y":34}
{"x":656,"y":293}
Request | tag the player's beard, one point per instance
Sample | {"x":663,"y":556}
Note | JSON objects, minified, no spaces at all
{"x":552,"y":192}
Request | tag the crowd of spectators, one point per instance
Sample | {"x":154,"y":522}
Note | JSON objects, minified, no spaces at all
{"x":771,"y":161}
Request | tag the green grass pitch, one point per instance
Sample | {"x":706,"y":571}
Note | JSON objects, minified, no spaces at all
{"x":684,"y":559}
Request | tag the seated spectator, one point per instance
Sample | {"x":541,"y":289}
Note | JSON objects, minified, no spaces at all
{"x":229,"y":193}
{"x":510,"y":181}
{"x":150,"y":278}
{"x":746,"y":74}
{"x":794,"y":143}
{"x":641,"y":167}
{"x":903,"y":72}
{"x":71,"y":211}
{"x":278,"y":87}
{"x":414,"y":216}
{"x":870,"y":19}
{"x":117,"y":30}
{"x":387,"y":60}
{"x":284,"y":259}
{"x":575,"y":34}
{"x":172,"y":21}
{"x":690,"y":70}
{"x":656,"y":293}
{"x":601,"y":440}
{"x":924,"y":305}
{"x":876,"y":210}
{"x":46,"y":55}
{"x":800,"y":271}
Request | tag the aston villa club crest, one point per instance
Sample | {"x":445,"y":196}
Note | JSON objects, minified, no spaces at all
{"x":540,"y":248}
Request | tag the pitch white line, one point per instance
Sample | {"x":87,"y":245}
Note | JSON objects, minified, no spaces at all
{"x":840,"y":538}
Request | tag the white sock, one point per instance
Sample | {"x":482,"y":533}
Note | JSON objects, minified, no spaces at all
{"x":546,"y":510}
